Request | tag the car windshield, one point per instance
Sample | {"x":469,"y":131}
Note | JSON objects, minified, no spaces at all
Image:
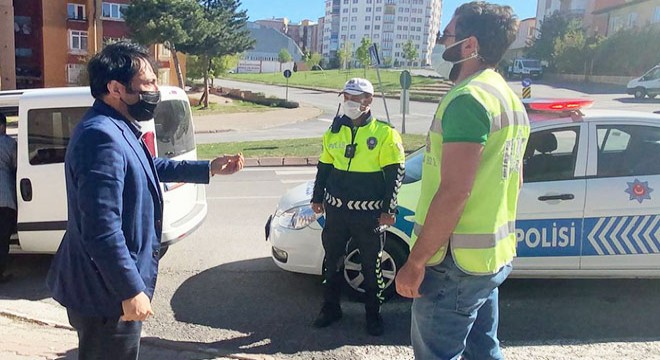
{"x":414,"y":166}
{"x":531,"y":63}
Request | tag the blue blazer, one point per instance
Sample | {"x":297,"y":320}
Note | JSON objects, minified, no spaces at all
{"x":110,"y":250}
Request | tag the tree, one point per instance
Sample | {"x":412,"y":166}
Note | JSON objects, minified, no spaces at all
{"x":219,"y":65}
{"x":344,"y":54}
{"x":362,"y":54}
{"x":312,"y":60}
{"x":552,"y":28}
{"x":283,"y":57}
{"x":410,"y":52}
{"x":221,"y":30}
{"x":628,"y":52}
{"x":162,"y":21}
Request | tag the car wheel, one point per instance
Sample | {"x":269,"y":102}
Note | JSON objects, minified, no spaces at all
{"x":652,"y":96}
{"x":395,"y":254}
{"x":639,"y":93}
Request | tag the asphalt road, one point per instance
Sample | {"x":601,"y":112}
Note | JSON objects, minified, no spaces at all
{"x":419,"y":119}
{"x":219,"y":288}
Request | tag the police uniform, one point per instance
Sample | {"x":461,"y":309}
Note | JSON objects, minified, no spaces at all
{"x":359,"y":175}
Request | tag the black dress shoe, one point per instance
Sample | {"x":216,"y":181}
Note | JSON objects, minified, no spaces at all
{"x":329,"y":314}
{"x":375,"y":324}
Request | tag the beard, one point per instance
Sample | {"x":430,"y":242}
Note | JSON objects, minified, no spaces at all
{"x":455,"y":71}
{"x":453,"y":55}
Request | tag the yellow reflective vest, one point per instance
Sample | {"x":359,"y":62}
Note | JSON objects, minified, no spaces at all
{"x":358,"y":155}
{"x":484,"y":239}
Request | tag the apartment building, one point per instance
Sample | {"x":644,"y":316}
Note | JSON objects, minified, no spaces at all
{"x":388,"y":23}
{"x":594,"y":13}
{"x":51,"y":41}
{"x":629,"y":14}
{"x":525,"y":36}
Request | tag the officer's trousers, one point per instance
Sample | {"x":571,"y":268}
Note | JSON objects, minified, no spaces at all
{"x":357,"y":226}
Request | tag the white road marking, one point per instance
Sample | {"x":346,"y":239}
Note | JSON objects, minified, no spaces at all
{"x":311,"y":171}
{"x":241,"y":197}
{"x":296,"y":181}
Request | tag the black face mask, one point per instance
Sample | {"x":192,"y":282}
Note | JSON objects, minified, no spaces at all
{"x":143,"y":110}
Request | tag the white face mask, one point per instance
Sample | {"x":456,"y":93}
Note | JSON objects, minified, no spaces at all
{"x":442,"y":67}
{"x":352,"y":109}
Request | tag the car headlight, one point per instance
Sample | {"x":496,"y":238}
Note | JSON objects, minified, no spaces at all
{"x":297,"y":218}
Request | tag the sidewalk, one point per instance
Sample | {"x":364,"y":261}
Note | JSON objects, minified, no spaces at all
{"x":217,"y":123}
{"x":254,"y":120}
{"x":38,"y":330}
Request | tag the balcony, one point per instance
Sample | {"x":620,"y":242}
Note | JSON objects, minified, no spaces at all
{"x":76,"y":19}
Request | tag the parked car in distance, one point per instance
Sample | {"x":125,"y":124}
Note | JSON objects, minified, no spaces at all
{"x":645,"y":85}
{"x":588,"y":207}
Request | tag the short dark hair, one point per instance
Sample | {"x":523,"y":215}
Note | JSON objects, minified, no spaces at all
{"x":119,"y":61}
{"x":3,"y":119}
{"x":494,"y":26}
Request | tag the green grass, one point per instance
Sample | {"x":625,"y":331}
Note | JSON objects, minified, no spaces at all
{"x":289,"y":147}
{"x":334,"y":79}
{"x":237,"y":106}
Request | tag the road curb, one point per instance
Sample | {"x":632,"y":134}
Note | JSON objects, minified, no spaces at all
{"x":146,"y":339}
{"x":281,"y":161}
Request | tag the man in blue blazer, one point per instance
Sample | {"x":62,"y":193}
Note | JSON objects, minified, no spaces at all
{"x":105,"y":270}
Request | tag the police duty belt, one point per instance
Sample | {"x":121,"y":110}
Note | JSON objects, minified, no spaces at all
{"x":353,"y":204}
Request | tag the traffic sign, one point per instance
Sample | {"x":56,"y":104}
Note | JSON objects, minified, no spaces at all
{"x":405,"y":79}
{"x":373,"y":52}
{"x":287,"y":73}
{"x":527,"y":82}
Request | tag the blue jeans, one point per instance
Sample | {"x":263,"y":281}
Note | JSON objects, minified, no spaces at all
{"x":457,"y":314}
{"x":106,"y":338}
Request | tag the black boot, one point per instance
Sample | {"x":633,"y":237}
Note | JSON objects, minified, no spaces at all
{"x":330,"y":312}
{"x":375,"y":324}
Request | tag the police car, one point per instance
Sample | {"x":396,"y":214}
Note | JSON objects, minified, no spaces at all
{"x":588,"y":208}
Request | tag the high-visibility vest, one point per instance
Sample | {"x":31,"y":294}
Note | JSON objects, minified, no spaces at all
{"x":376,"y":145}
{"x":358,"y":155}
{"x":484,"y":239}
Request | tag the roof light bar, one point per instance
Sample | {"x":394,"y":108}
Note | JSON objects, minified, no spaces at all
{"x":557,"y":105}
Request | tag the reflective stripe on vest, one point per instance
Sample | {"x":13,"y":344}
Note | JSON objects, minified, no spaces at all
{"x":484,"y":238}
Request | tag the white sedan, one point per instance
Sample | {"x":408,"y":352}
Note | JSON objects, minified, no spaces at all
{"x":588,"y":207}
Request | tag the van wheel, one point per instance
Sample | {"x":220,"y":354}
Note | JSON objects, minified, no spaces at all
{"x":639,"y":93}
{"x":394,"y":256}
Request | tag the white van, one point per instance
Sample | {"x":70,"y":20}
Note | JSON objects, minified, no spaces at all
{"x":646,"y":85}
{"x":46,"y":118}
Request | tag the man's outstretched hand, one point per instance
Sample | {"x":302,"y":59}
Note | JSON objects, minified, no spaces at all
{"x":227,"y":164}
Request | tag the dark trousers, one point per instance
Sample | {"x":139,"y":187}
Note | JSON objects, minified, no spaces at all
{"x":358,"y":226}
{"x":7,"y":227}
{"x":106,"y":338}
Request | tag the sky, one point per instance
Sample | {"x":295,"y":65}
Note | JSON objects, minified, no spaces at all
{"x":297,"y":10}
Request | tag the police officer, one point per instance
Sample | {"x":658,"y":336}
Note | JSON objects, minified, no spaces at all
{"x":359,"y":174}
